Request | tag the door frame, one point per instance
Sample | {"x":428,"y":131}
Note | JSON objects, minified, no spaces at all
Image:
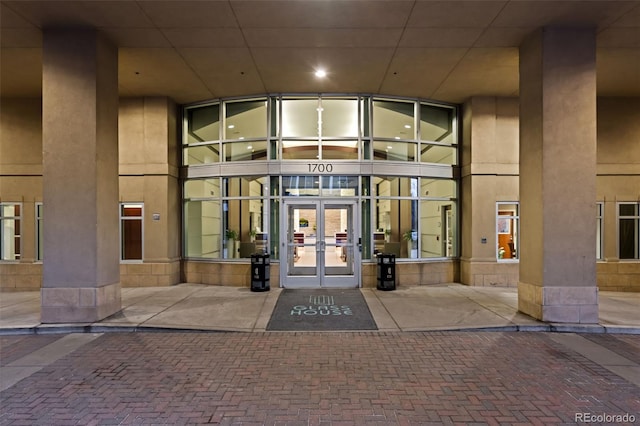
{"x":320,"y":279}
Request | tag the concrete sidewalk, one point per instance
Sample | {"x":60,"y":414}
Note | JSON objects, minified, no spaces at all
{"x":214,"y":308}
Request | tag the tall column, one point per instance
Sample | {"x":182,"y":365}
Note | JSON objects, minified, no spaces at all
{"x":558,"y":176}
{"x":81,"y":276}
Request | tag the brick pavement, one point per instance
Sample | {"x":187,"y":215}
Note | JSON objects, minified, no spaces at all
{"x":320,"y":379}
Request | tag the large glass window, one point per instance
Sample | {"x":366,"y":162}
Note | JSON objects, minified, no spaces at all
{"x":202,"y":133}
{"x":628,"y":230}
{"x":203,"y":124}
{"x":245,"y":120}
{"x":394,"y":119}
{"x":10,"y":231}
{"x":438,"y":218}
{"x":226,"y":218}
{"x":437,"y":124}
{"x":300,"y":118}
{"x":507,"y":231}
{"x":396,"y":216}
{"x":339,"y":118}
{"x":414,"y":217}
{"x":131,"y":236}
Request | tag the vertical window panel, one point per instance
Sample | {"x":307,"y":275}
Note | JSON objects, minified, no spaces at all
{"x":628,"y":230}
{"x":131,"y":234}
{"x":245,"y":119}
{"x":507,"y":231}
{"x":10,"y":231}
{"x":203,"y":124}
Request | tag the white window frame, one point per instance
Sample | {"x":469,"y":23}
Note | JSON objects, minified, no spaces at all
{"x":120,"y":222}
{"x":515,"y":222}
{"x":2,"y":236}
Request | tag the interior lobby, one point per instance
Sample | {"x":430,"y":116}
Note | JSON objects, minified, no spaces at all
{"x":485,"y":143}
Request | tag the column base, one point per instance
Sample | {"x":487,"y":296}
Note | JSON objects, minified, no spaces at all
{"x":575,"y":305}
{"x":79,"y":305}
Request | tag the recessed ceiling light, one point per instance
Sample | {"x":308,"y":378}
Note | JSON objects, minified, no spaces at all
{"x":321,"y":73}
{"x":231,"y":126}
{"x":389,"y":147}
{"x":241,"y":137}
{"x":407,"y":126}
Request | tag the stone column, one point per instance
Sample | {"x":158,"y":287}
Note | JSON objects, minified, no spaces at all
{"x":558,"y":176}
{"x":81,"y":277}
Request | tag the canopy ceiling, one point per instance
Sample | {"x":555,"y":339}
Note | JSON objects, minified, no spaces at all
{"x":197,"y":50}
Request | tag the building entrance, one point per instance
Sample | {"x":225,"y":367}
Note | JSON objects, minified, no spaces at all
{"x":320,"y":247}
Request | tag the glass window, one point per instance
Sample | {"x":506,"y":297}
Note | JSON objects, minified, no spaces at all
{"x":437,"y":188}
{"x":203,"y":124}
{"x":245,"y":151}
{"x":300,"y":118}
{"x":226,"y":224}
{"x":393,"y":120}
{"x":395,"y":186}
{"x":339,"y":150}
{"x":395,"y":216}
{"x":300,"y":150}
{"x":39,"y":231}
{"x":437,"y":154}
{"x":202,"y":225}
{"x":340,"y":186}
{"x":628,"y":230}
{"x":300,"y":186}
{"x":599,"y":229}
{"x":438,"y":224}
{"x":246,"y":119}
{"x":202,"y":188}
{"x":246,"y":186}
{"x":10,"y":231}
{"x":201,"y":154}
{"x":131,"y":242}
{"x":394,"y":151}
{"x":437,"y":124}
{"x":339,"y":118}
{"x":507,"y":230}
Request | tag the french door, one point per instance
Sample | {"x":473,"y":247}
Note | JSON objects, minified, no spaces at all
{"x":319,"y":245}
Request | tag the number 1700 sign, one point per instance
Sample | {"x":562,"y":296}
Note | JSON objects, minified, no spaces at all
{"x":320,"y":168}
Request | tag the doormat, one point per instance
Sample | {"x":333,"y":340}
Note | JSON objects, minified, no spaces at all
{"x":321,"y":310}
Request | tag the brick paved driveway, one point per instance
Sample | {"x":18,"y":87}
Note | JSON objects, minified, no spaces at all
{"x":317,"y":378}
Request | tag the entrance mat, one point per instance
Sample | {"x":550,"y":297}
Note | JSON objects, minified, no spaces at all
{"x":321,"y":310}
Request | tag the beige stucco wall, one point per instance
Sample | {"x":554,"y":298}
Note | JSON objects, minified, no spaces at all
{"x":490,"y":174}
{"x":21,"y":182}
{"x":149,"y":174}
{"x":618,"y":180}
{"x":148,"y":150}
{"x":489,"y":166}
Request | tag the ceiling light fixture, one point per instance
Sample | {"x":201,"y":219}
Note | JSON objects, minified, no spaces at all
{"x":321,"y":73}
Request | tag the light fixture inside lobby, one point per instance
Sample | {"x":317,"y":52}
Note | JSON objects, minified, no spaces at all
{"x":320,"y":73}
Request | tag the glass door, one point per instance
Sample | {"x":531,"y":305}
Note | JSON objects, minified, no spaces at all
{"x":320,"y":248}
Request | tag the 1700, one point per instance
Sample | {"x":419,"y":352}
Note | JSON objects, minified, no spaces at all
{"x":320,"y":168}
